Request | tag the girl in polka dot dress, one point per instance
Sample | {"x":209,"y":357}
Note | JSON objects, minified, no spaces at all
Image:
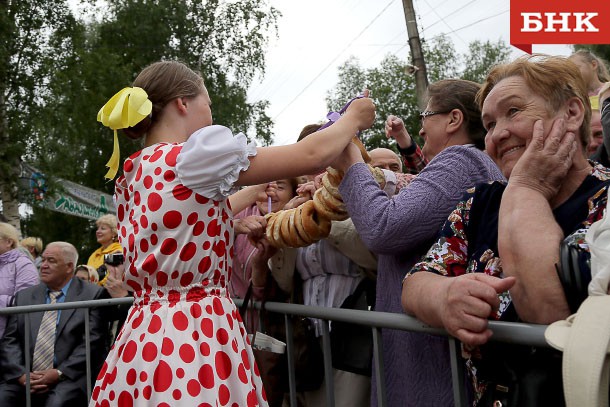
{"x":184,"y":343}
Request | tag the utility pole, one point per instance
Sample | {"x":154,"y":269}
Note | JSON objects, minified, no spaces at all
{"x":421,"y":73}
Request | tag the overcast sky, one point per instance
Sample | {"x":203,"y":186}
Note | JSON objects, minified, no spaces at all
{"x":316,"y":36}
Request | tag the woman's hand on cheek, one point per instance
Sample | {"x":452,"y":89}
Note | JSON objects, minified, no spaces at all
{"x":546,"y":160}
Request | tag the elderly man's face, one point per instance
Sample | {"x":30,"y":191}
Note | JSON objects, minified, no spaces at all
{"x":509,"y":113}
{"x":386,"y":159}
{"x":55,"y":272}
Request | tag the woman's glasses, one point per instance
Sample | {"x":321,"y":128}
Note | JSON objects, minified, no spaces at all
{"x":427,"y":113}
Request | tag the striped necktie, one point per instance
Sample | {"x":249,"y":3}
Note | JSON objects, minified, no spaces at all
{"x":44,"y":350}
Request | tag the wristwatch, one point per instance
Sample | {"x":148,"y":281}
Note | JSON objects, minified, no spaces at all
{"x":61,"y":375}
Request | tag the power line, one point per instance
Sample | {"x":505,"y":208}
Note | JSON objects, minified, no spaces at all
{"x":431,"y":10}
{"x":331,"y":62}
{"x":274,"y":87}
{"x":451,"y":13}
{"x":471,"y":24}
{"x":446,"y":23}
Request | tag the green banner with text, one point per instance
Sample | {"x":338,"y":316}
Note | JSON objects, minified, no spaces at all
{"x":73,"y":199}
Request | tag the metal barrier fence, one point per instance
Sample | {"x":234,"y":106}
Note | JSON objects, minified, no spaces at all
{"x":515,"y":333}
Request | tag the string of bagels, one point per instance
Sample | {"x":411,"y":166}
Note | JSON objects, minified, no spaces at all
{"x":311,"y":221}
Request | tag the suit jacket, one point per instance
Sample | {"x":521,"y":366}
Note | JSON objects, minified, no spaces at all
{"x":70,"y":334}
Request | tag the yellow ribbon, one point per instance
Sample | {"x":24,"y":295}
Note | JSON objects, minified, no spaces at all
{"x":594,"y":102}
{"x":126,"y":108}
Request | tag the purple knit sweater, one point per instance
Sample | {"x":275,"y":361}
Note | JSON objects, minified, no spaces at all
{"x":400,"y":230}
{"x":17,"y":272}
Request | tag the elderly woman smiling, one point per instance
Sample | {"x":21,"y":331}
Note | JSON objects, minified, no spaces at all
{"x":501,"y":243}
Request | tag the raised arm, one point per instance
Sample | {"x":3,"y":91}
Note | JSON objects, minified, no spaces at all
{"x":245,"y":197}
{"x":412,"y":157}
{"x":414,"y":216}
{"x":312,"y":154}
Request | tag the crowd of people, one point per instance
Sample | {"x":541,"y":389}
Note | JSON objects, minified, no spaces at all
{"x":463,"y":230}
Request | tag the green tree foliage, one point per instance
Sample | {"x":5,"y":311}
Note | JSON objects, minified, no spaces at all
{"x":84,"y":61}
{"x":393,"y":87}
{"x":482,"y":56}
{"x":26,"y":58}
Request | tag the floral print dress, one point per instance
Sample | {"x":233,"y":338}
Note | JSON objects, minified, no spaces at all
{"x":468,"y":243}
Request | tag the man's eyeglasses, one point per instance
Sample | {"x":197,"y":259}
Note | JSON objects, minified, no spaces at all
{"x":428,"y":113}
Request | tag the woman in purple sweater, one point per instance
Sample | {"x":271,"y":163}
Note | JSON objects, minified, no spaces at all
{"x":401,"y":229}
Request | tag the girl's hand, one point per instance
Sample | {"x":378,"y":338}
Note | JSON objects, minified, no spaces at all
{"x":361,"y":111}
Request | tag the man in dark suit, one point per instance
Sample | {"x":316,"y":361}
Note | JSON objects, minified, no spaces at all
{"x":57,"y":338}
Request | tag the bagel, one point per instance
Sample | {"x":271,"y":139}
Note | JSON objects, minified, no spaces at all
{"x":378,"y":175}
{"x":328,"y":206}
{"x":336,"y":204}
{"x":270,"y":218}
{"x":316,"y":226}
{"x":298,"y":223}
{"x":289,"y":234}
{"x":284,"y":229}
{"x":334,"y":176}
{"x":300,"y":241}
{"x":277,"y":233}
{"x":328,"y":185}
{"x":295,"y":239}
{"x":365,"y":154}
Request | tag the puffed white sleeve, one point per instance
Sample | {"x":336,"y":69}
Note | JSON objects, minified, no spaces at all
{"x":211,"y":160}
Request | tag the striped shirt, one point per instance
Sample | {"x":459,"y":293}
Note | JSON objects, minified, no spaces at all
{"x":328,"y":276}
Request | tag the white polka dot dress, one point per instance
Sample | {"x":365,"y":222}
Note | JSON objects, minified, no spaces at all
{"x":183,"y":343}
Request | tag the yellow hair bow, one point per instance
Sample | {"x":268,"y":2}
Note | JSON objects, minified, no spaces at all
{"x":594,"y":102}
{"x":126,"y":108}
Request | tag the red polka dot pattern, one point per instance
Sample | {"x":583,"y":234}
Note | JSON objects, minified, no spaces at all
{"x":183,"y":342}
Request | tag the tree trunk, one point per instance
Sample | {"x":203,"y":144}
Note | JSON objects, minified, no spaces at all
{"x":10,"y":175}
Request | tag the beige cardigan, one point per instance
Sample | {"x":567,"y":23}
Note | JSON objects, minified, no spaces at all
{"x":343,"y":237}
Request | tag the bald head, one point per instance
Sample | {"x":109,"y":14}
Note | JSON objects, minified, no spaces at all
{"x":386,"y":159}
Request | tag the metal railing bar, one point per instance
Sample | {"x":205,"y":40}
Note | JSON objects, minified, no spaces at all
{"x":328,"y":365}
{"x":88,"y":352}
{"x":509,"y":332}
{"x":28,"y":309}
{"x":28,"y":362}
{"x":458,"y":377}
{"x":290,"y":349}
{"x":378,"y":359}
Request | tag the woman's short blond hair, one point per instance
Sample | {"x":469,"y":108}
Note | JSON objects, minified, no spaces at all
{"x":10,"y":233}
{"x":108,"y":220}
{"x":555,"y":78}
{"x":34,"y":243}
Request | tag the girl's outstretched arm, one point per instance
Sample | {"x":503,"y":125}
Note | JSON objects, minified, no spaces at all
{"x":312,"y":154}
